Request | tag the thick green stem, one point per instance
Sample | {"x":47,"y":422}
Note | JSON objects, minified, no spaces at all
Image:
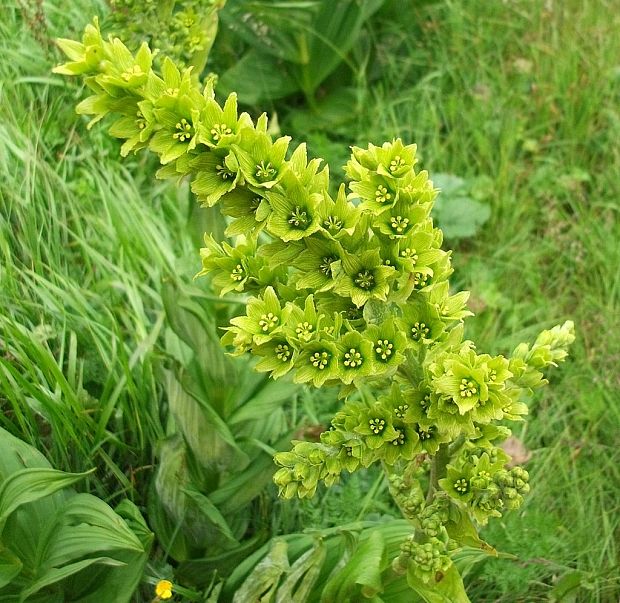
{"x":438,"y":469}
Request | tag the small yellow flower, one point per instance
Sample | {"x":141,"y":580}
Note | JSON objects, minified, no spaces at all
{"x":163,"y":589}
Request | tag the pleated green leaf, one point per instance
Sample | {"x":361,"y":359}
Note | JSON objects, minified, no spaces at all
{"x":263,"y":581}
{"x":361,"y":574}
{"x":10,"y":566}
{"x":29,"y":485}
{"x":57,"y":574}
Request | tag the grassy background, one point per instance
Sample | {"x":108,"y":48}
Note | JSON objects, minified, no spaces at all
{"x":523,"y":93}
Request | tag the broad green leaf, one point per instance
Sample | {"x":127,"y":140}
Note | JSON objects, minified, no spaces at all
{"x":271,"y":27}
{"x":240,"y":488}
{"x":302,"y":576}
{"x":449,"y":184}
{"x":461,"y":217}
{"x":10,"y":566}
{"x":207,"y":507}
{"x":206,"y":432}
{"x":86,"y":525}
{"x":334,"y":31}
{"x":445,"y":588}
{"x":272,"y":396}
{"x":171,"y":538}
{"x":57,"y":574}
{"x":29,"y":485}
{"x":565,"y":590}
{"x":462,"y":529}
{"x":257,"y":77}
{"x":198,"y":571}
{"x":16,"y":454}
{"x":188,"y":319}
{"x":260,"y":585}
{"x":120,"y":583}
{"x":171,"y":479}
{"x":362,"y":573}
{"x":459,"y":209}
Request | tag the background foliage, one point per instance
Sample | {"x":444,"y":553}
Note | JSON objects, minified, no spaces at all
{"x":519,"y":100}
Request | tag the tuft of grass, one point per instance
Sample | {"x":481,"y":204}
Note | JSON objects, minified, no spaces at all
{"x":84,"y":245}
{"x":526,"y":93}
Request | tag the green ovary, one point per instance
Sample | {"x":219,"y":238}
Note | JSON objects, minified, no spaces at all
{"x":265,"y":171}
{"x":184,"y":131}
{"x":283,"y":352}
{"x":461,"y":485}
{"x":382,"y":195}
{"x":320,"y":360}
{"x":384,"y":349}
{"x":376,"y":425}
{"x":468,"y":388}
{"x":365,"y":279}
{"x":353,"y":359}
{"x":237,"y":273}
{"x":299,"y":218}
{"x":220,"y":130}
{"x":268,"y":321}
{"x":419,"y":330}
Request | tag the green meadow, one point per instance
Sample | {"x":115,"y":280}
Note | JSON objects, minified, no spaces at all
{"x":109,"y":356}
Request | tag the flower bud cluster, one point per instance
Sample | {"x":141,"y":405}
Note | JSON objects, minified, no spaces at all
{"x":550,"y":347}
{"x":425,"y":560}
{"x":433,"y":518}
{"x":408,"y":495}
{"x":478,"y":481}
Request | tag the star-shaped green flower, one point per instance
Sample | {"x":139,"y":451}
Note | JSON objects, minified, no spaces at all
{"x":261,"y":161}
{"x":216,"y":173}
{"x":295,"y":212}
{"x":364,"y":277}
{"x":375,"y":424}
{"x":317,"y":363}
{"x":264,"y":317}
{"x":355,"y":357}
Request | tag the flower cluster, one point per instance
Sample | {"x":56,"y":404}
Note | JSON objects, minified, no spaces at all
{"x":183,"y":30}
{"x":345,"y":287}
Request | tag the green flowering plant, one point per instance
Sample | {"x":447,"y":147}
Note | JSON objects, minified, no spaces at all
{"x":183,"y":30}
{"x":351,"y":293}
